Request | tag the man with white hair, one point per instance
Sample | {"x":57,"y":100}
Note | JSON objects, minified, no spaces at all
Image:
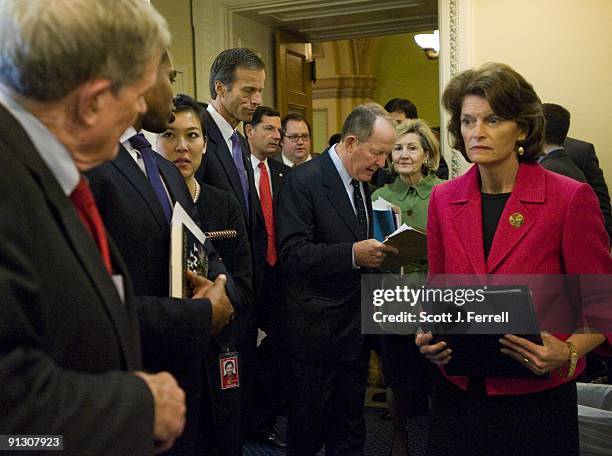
{"x":70,"y":356}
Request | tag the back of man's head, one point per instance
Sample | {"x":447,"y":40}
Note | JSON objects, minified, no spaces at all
{"x":402,"y":105}
{"x":360,"y":122}
{"x":557,"y":123}
{"x":50,"y":48}
{"x":227,"y":62}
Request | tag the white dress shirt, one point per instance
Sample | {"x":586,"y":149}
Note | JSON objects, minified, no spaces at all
{"x":257,"y":172}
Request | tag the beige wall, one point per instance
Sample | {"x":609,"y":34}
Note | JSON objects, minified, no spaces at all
{"x":260,"y":38}
{"x":402,"y":71}
{"x":563,"y":48}
{"x":178,"y":15}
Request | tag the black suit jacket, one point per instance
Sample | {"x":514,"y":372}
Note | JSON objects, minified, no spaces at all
{"x":583,"y":154}
{"x":317,"y":228}
{"x":219,"y":210}
{"x":559,"y":162}
{"x":65,"y":334}
{"x":270,"y":292}
{"x":175,"y":333}
{"x":278,"y":171}
{"x":218,"y":169}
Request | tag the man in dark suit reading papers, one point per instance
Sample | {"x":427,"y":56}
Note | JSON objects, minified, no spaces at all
{"x":325,"y":244}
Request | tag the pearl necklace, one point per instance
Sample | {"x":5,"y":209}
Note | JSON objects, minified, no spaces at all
{"x":197,"y":192}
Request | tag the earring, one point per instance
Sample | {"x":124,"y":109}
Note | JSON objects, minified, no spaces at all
{"x":521,"y":151}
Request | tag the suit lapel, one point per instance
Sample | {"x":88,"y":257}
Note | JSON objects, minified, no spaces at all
{"x":126,"y":165}
{"x":276,"y":176}
{"x":128,"y":335}
{"x":176,"y":188}
{"x":220,"y":150}
{"x":256,"y":213}
{"x":368,"y":201}
{"x":467,"y":219}
{"x":82,"y":244}
{"x":337,"y":196}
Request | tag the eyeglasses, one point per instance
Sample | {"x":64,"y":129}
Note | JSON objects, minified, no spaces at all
{"x":296,"y":138}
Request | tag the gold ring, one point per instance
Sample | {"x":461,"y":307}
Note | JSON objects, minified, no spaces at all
{"x":526,"y":361}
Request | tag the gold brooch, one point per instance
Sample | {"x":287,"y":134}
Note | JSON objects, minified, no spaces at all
{"x":517,"y":220}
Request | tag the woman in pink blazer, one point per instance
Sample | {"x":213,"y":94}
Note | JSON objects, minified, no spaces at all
{"x":508,"y":215}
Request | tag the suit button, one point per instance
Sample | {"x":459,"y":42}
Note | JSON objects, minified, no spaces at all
{"x":409,"y":212}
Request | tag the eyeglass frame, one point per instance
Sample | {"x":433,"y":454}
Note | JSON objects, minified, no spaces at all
{"x":295,"y":138}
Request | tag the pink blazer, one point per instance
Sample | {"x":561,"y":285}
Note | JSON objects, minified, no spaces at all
{"x":562,"y":233}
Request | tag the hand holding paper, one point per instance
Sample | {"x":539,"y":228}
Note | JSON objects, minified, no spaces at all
{"x":370,"y":253}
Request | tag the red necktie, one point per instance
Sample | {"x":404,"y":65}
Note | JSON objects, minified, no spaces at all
{"x":85,"y":205}
{"x":265,"y":196}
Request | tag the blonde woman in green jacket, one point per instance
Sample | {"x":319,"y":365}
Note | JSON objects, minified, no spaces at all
{"x":415,"y":158}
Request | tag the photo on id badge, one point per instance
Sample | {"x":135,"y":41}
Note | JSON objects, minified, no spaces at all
{"x":228,"y":368}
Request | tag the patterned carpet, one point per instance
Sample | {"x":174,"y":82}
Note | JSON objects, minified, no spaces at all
{"x":378,"y":437}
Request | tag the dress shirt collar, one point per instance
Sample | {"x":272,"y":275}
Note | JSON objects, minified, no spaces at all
{"x":51,"y":150}
{"x":256,"y":161}
{"x":226,"y":129}
{"x":134,"y":153}
{"x":423,"y":189}
{"x":344,"y":174}
{"x":286,"y":161}
{"x":290,"y":164}
{"x":125,"y":137}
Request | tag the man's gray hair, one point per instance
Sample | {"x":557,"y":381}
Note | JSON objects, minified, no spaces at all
{"x":51,"y":47}
{"x":360,"y":122}
{"x":227,"y":62}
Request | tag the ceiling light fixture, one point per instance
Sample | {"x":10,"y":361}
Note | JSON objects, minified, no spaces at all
{"x":430,"y":43}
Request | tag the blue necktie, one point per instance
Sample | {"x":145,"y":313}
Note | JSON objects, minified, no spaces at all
{"x":140,"y":143}
{"x":239,"y":162}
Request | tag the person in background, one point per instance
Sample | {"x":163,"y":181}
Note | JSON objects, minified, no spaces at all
{"x":325,"y":244}
{"x":400,"y":109}
{"x":584,"y":156}
{"x":555,"y":157}
{"x":184,"y":144}
{"x":508,"y":215}
{"x":216,"y":210}
{"x":295,"y":140}
{"x":136,"y":193}
{"x":414,"y":157}
{"x":334,"y":139}
{"x":263,"y":133}
{"x":70,"y":362}
{"x":236,"y":83}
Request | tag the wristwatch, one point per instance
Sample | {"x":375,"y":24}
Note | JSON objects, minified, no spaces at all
{"x":572,"y":360}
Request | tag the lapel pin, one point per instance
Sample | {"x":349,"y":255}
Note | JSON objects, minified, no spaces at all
{"x":517,"y":220}
{"x":280,"y":174}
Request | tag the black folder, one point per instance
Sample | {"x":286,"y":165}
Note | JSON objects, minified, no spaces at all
{"x":479,"y":355}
